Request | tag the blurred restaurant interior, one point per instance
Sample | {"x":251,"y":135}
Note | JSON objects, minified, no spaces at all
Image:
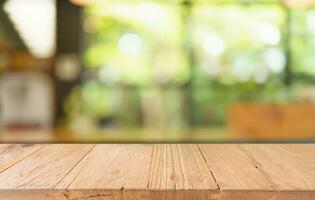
{"x":157,"y":70}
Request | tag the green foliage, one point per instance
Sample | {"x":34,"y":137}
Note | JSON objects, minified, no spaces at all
{"x":154,"y":63}
{"x":159,"y":56}
{"x":303,"y":41}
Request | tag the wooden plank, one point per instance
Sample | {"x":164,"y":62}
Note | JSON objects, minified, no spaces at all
{"x":13,"y":153}
{"x":277,"y":172}
{"x":137,"y":172}
{"x":44,"y":168}
{"x":232,"y":168}
{"x":182,"y":169}
{"x":277,"y":160}
{"x":266,"y":195}
{"x":160,"y":172}
{"x":38,"y":194}
{"x":111,"y":171}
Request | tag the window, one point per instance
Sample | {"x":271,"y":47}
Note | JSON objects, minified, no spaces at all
{"x":179,"y":64}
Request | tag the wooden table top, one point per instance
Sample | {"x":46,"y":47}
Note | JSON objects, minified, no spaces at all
{"x":157,"y":171}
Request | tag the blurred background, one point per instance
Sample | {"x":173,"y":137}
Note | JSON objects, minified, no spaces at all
{"x":157,"y":70}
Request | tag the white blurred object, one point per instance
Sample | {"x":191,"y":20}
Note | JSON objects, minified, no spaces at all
{"x":275,"y":59}
{"x":67,"y":67}
{"x":26,"y":99}
{"x":269,"y":34}
{"x":307,"y":94}
{"x":310,"y":22}
{"x":261,"y":75}
{"x":109,"y":74}
{"x":242,"y":69}
{"x":130,"y":43}
{"x":213,"y":44}
{"x":35,"y":20}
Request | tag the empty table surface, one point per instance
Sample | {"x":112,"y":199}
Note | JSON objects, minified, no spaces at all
{"x":157,"y":171}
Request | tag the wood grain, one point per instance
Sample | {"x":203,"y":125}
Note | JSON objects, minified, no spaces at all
{"x":181,"y":168}
{"x":158,"y":172}
{"x":44,"y":168}
{"x":114,"y":171}
{"x":271,"y":172}
{"x":277,"y":160}
{"x":13,"y":153}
